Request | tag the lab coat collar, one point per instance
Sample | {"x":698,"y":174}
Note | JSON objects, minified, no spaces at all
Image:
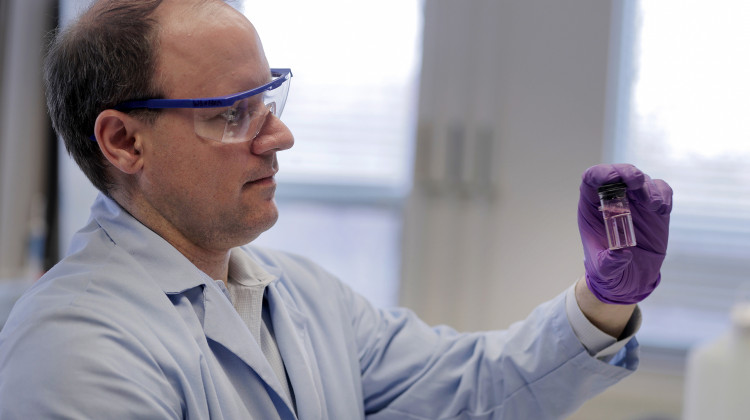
{"x":175,"y":274}
{"x":293,"y":339}
{"x":224,"y":328}
{"x":171,"y":270}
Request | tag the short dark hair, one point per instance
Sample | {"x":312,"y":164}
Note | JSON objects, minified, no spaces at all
{"x":106,"y":57}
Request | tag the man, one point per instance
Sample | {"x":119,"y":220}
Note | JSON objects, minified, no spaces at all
{"x":161,"y":311}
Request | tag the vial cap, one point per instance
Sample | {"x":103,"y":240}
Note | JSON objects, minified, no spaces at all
{"x":610,"y":191}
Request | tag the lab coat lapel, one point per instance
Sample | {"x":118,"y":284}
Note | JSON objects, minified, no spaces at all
{"x":175,"y":274}
{"x":290,"y":329}
{"x":224,"y":326}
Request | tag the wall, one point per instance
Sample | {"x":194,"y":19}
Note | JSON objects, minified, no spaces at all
{"x":518,"y":92}
{"x":23,"y":131}
{"x":75,"y":188}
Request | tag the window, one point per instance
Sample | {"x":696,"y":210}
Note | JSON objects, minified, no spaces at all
{"x":686,"y":112}
{"x":352,"y":109}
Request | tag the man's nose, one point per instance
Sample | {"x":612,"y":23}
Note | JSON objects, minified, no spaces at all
{"x":275,"y":136}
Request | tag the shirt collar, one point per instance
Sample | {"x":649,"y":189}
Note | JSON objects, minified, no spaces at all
{"x":244,"y":270}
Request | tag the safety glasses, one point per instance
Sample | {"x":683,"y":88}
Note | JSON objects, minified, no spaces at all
{"x":233,"y":118}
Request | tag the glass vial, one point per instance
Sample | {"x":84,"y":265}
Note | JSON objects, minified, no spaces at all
{"x":618,"y":221}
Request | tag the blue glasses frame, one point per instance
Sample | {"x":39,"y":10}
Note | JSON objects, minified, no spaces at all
{"x":280,"y":75}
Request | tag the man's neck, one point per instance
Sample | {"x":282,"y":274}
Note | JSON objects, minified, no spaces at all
{"x":213,"y":262}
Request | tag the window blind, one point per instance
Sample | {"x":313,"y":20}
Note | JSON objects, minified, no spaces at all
{"x":352,"y":100}
{"x":687,"y":123}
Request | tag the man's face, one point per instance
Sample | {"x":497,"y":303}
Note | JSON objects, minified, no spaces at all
{"x":214,"y":195}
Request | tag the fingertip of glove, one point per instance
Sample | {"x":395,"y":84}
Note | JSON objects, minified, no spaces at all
{"x":630,"y":175}
{"x":602,"y":174}
{"x":656,"y":196}
{"x":665,"y":194}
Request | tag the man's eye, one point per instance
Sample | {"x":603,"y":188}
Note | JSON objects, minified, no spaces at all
{"x":230,"y":115}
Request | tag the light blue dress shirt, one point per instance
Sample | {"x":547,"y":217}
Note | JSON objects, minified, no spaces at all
{"x":125,"y":327}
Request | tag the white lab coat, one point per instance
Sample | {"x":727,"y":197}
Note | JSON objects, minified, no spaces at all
{"x":126,"y":327}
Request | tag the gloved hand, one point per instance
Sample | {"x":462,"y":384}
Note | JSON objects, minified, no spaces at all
{"x":627,"y":275}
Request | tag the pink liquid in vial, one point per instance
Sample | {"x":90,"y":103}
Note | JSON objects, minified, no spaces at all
{"x":620,"y":232}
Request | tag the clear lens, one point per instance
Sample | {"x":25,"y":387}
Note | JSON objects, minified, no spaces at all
{"x":277,"y":97}
{"x":243,"y":120}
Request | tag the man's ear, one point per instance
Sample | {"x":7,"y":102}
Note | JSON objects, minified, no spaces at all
{"x":116,"y":134}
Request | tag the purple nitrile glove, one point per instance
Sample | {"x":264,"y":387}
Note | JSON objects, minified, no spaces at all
{"x":627,"y":275}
